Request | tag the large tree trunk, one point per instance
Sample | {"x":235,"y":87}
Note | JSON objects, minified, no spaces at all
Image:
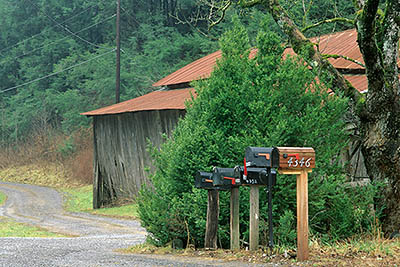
{"x":380,"y":126}
{"x":381,"y":150}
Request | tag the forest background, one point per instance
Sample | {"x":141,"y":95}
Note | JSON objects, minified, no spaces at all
{"x":58,"y":57}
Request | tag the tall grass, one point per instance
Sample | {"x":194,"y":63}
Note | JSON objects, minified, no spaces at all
{"x":72,"y":154}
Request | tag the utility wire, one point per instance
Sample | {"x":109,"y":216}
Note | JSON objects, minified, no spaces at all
{"x":57,"y":72}
{"x":58,"y":40}
{"x":46,"y":30}
{"x":64,"y":27}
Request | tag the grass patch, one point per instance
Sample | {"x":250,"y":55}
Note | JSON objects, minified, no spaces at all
{"x":10,"y":228}
{"x":3,"y":198}
{"x":81,"y":199}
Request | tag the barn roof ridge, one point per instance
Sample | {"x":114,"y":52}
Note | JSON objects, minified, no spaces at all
{"x":156,"y":100}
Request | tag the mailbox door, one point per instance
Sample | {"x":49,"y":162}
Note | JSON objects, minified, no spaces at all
{"x":225,"y":176}
{"x":262,"y":157}
{"x":255,"y":176}
{"x":203,"y":180}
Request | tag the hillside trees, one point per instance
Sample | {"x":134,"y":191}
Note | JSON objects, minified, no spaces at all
{"x":377,"y":113}
{"x":74,"y":40}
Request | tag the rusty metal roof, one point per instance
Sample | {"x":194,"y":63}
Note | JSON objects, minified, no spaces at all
{"x":158,"y":100}
{"x":339,"y":43}
{"x":359,"y":82}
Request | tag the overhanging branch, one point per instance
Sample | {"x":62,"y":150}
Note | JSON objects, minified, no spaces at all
{"x":303,"y":46}
{"x":345,"y":20}
{"x":327,"y":56}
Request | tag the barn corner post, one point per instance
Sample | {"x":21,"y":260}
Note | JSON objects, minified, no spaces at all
{"x":96,"y":174}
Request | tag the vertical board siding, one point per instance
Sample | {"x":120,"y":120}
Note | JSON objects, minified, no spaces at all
{"x":120,"y":147}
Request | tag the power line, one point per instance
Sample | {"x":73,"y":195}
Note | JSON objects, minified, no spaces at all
{"x":58,"y":40}
{"x":33,"y":36}
{"x":57,"y":72}
{"x":64,"y":27}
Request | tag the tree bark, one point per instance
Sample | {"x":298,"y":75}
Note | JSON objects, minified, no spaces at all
{"x":380,"y":130}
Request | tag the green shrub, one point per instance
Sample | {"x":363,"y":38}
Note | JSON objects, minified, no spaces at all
{"x":264,"y":101}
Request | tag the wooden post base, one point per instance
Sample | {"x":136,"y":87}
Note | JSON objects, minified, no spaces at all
{"x":302,"y":212}
{"x":302,"y":216}
{"x":210,"y":240}
{"x":254,"y":217}
{"x":234,"y":220}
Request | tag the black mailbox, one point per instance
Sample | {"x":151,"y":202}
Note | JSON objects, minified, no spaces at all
{"x":203,"y":180}
{"x":262,"y":157}
{"x":225,"y":177}
{"x":255,"y":176}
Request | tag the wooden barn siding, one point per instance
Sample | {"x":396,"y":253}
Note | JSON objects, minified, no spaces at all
{"x":120,"y":148}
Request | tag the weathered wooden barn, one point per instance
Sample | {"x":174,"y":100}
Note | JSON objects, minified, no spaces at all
{"x":121,"y":131}
{"x":121,"y":135}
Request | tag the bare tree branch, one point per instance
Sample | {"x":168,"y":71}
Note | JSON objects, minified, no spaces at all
{"x":250,"y":3}
{"x":192,"y":22}
{"x":223,"y":11}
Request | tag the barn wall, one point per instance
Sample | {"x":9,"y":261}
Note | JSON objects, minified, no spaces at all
{"x":120,"y":147}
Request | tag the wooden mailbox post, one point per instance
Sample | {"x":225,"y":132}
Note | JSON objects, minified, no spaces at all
{"x":299,"y":161}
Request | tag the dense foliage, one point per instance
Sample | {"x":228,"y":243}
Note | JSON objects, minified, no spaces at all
{"x":265,"y":101}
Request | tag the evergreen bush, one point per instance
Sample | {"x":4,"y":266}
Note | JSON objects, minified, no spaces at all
{"x":268,"y":100}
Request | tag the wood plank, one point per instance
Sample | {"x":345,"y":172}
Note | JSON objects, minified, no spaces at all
{"x":121,"y":154}
{"x":254,"y":217}
{"x":302,"y":216}
{"x":234,"y":220}
{"x":210,"y":240}
{"x":290,"y":172}
{"x":300,"y":149}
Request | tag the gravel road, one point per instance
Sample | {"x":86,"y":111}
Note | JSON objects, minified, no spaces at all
{"x":93,"y":242}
